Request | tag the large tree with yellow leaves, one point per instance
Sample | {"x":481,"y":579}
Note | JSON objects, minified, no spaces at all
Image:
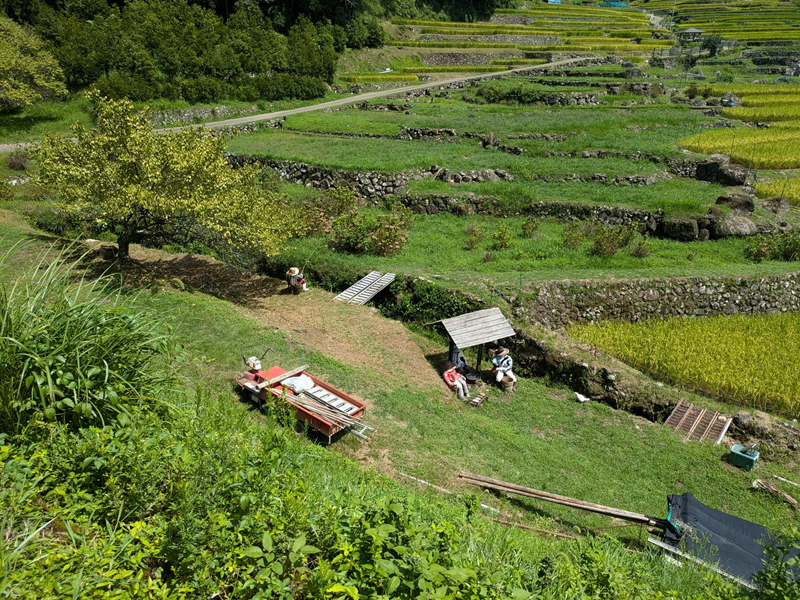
{"x":141,"y":182}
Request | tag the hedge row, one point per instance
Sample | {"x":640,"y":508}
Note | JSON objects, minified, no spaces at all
{"x":283,"y":86}
{"x":418,"y":44}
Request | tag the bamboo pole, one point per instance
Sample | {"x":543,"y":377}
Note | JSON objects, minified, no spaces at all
{"x":557,"y":499}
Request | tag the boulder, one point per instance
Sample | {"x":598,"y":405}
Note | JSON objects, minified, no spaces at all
{"x":742,"y":420}
{"x":487,"y":175}
{"x":680,"y":228}
{"x":708,"y":170}
{"x":776,"y":204}
{"x":735,"y":225}
{"x":714,"y":213}
{"x":633,"y":73}
{"x":733,"y":174}
{"x":729,"y":99}
{"x":741,"y":203}
{"x":703,"y":235}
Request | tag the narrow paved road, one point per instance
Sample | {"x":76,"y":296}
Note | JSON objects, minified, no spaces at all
{"x":332,"y":103}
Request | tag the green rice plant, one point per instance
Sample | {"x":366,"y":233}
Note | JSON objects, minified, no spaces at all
{"x":788,"y":188}
{"x":70,"y":351}
{"x":755,"y":89}
{"x":773,"y":148}
{"x":774,"y":112}
{"x":724,"y":364}
{"x":377,"y":77}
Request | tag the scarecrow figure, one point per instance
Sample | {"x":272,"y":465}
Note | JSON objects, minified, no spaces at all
{"x":455,"y":380}
{"x":295,"y":281}
{"x":503,"y":363}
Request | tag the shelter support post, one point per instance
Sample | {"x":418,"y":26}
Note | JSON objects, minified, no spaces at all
{"x":480,"y":358}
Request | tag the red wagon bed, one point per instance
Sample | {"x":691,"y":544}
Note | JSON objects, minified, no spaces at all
{"x":332,"y":401}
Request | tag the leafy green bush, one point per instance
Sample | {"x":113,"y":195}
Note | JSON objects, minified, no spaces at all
{"x":522,"y":93}
{"x":69,"y":353}
{"x":381,"y":234}
{"x":779,"y":246}
{"x":608,"y":240}
{"x":503,"y":238}
{"x":531,"y":226}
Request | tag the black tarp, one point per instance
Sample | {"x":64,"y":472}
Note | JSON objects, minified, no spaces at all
{"x":735,"y":545}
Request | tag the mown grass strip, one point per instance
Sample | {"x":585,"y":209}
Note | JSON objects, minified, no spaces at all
{"x":722,"y":361}
{"x":456,"y":69}
{"x":419,"y":44}
{"x":378,"y":77}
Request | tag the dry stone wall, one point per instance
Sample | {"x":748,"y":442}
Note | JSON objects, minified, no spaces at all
{"x":556,"y":304}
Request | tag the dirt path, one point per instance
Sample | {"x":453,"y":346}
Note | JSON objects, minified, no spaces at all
{"x":379,"y":348}
{"x":332,"y":103}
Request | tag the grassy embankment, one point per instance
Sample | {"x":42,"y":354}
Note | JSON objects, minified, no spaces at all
{"x":217,"y":467}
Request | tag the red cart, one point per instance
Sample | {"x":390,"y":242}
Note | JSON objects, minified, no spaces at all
{"x":324,"y":408}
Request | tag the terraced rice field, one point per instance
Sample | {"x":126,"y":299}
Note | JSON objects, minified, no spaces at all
{"x":586,"y":29}
{"x":751,"y":360}
{"x":744,"y":21}
{"x":776,"y":147}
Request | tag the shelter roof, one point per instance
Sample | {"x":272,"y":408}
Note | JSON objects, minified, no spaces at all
{"x":478,"y":327}
{"x":692,"y":30}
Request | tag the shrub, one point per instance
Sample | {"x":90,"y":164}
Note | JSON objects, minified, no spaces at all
{"x":779,"y":246}
{"x":72,"y":353}
{"x":503,"y":238}
{"x":641,"y":248}
{"x":381,"y":234}
{"x":489,"y":256}
{"x":692,"y":91}
{"x":6,"y":191}
{"x":132,"y":87}
{"x":202,"y":90}
{"x":609,"y":240}
{"x":575,"y":233}
{"x":531,"y":226}
{"x":285,"y":86}
{"x":475,"y":234}
{"x":18,"y":160}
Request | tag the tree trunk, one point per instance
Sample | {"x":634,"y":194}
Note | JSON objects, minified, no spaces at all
{"x":127,"y":236}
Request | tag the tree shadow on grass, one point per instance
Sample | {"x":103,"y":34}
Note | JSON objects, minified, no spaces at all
{"x":154,"y":269}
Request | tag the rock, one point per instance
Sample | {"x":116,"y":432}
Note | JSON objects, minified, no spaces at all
{"x":680,"y":228}
{"x":107,"y":252}
{"x":729,"y":99}
{"x":714,"y":213}
{"x":733,"y":174}
{"x":490,"y":140}
{"x":776,"y":204}
{"x":735,"y":225}
{"x":709,"y":170}
{"x":742,"y":420}
{"x":741,"y":203}
{"x":487,"y":175}
{"x":633,"y":73}
{"x":703,"y":235}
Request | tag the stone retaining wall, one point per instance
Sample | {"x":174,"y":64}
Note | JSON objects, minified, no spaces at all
{"x":439,"y":59}
{"x":160,"y":118}
{"x":556,"y":304}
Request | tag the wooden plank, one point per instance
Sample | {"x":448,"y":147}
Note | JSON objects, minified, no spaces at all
{"x":711,"y":423}
{"x":697,"y":419}
{"x":488,"y":323}
{"x":481,"y":338}
{"x":286,"y":375}
{"x":674,"y":410}
{"x":370,"y":291}
{"x":359,"y":285}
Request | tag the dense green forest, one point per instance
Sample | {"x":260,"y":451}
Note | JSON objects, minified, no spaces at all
{"x":211,"y":49}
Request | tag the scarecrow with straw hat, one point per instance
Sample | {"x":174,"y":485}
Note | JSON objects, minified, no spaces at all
{"x":503,"y":363}
{"x":455,"y":380}
{"x":295,"y":280}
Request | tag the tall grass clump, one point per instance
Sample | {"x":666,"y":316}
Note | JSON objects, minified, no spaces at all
{"x":70,"y":352}
{"x":714,"y":355}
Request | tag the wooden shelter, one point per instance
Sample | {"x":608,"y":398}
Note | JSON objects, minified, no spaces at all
{"x":690,"y":35}
{"x":475,"y":329}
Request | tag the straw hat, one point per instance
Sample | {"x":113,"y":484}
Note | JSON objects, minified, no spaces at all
{"x":293,"y":271}
{"x":501,"y":351}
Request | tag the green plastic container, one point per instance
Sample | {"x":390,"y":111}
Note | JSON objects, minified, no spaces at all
{"x":741,"y":458}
